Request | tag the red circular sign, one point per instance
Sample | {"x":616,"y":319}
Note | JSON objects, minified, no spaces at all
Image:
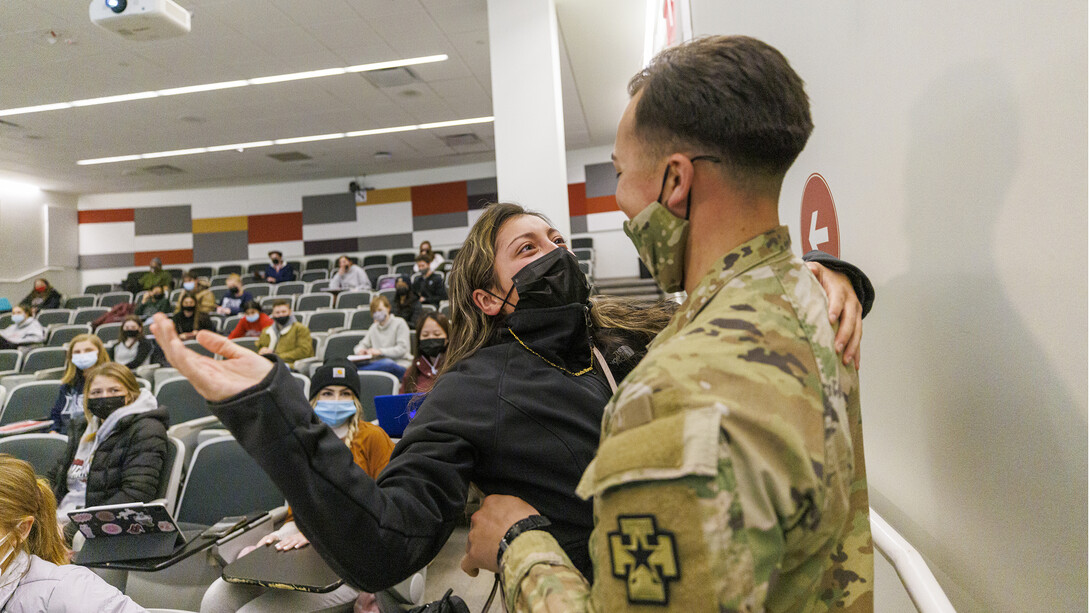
{"x":820,"y":229}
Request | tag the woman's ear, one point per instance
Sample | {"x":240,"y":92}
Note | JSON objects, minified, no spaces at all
{"x":23,"y":528}
{"x":486,"y":302}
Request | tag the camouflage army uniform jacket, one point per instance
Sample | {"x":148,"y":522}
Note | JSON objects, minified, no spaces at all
{"x":730,"y":474}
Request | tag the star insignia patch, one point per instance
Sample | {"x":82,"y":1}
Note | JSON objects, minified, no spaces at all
{"x":645,"y":558}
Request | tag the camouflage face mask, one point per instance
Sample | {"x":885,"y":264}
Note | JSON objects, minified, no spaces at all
{"x":660,"y":238}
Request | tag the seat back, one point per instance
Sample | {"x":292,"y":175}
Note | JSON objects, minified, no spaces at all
{"x":256,"y":267}
{"x":322,"y":321}
{"x":249,"y":342}
{"x":60,"y":335}
{"x":218,"y":292}
{"x":405,"y":257}
{"x":340,"y":345}
{"x":41,"y":450}
{"x":86,"y":315}
{"x":313,"y":302}
{"x":30,"y":400}
{"x":230,"y":323}
{"x":375,"y":383}
{"x":405,"y":269}
{"x":99,"y":288}
{"x":223,"y":480}
{"x":109,"y":332}
{"x":391,"y":294}
{"x":310,"y":276}
{"x":361,"y":319}
{"x":304,"y":383}
{"x":76,"y":302}
{"x":289,"y":288}
{"x":201,"y":271}
{"x":111,"y":299}
{"x":49,"y":317}
{"x":43,"y":358}
{"x":374,"y":272}
{"x":266,"y":302}
{"x":182,"y":402}
{"x":353,"y":300}
{"x":375,"y":259}
{"x":229,"y":269}
{"x":317,"y":264}
{"x":9,"y":359}
{"x":258,"y":289}
{"x":170,"y":476}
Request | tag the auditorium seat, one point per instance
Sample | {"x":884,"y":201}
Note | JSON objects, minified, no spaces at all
{"x":42,"y":358}
{"x":313,"y":301}
{"x":86,"y":315}
{"x":75,"y":302}
{"x":30,"y":400}
{"x":405,"y":257}
{"x":353,"y":299}
{"x":42,"y":450}
{"x":51,"y":317}
{"x":98,"y":288}
{"x":111,"y":299}
{"x":61,"y":335}
{"x":109,"y":332}
{"x":181,"y":400}
{"x":375,"y":383}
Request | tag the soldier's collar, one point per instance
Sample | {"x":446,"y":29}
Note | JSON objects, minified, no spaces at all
{"x":737,"y":261}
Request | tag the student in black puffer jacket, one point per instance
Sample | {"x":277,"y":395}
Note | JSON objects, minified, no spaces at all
{"x":115,"y":454}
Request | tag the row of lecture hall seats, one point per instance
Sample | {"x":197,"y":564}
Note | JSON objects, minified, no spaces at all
{"x":320,"y":268}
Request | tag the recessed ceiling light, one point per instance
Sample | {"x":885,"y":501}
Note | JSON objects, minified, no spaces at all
{"x":190,"y":89}
{"x":284,"y":141}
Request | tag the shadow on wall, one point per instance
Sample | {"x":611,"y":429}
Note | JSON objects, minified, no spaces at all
{"x":996,"y":445}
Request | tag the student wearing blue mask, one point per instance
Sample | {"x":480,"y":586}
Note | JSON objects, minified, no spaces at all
{"x":335,"y":390}
{"x":84,"y":352}
{"x":24,"y":330}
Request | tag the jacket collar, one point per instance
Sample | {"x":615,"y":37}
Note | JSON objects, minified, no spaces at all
{"x":558,"y":335}
{"x":737,"y":261}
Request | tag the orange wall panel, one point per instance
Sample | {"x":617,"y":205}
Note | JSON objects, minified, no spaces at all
{"x":440,"y":198}
{"x":106,"y":215}
{"x":276,"y":227}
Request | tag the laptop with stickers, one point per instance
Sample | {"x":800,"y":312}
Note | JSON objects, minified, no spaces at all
{"x":118,"y":532}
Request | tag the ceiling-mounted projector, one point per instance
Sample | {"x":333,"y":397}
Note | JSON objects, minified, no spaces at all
{"x":141,"y":19}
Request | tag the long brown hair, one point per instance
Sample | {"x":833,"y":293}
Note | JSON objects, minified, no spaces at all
{"x":70,"y":370}
{"x":23,"y":495}
{"x":411,"y":374}
{"x":475,"y":268}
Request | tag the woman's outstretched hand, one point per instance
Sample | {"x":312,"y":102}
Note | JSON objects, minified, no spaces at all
{"x":216,"y":380}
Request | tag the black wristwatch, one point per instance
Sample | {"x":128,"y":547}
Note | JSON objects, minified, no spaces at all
{"x":533,"y":522}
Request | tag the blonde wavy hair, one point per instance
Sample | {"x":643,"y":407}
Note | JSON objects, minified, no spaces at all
{"x":23,"y":495}
{"x":475,"y":268}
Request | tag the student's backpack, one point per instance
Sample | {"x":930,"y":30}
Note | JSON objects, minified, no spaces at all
{"x":117,"y":313}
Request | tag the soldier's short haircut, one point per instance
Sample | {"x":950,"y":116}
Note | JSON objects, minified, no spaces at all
{"x":734,"y":97}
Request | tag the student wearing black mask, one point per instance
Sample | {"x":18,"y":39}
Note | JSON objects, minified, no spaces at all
{"x":189,"y":320}
{"x":286,"y":338}
{"x":406,"y":303}
{"x":116,"y":451}
{"x":155,"y":300}
{"x":232,"y":301}
{"x":432,"y":334}
{"x":278,"y":271}
{"x":516,"y":408}
{"x":131,"y":350}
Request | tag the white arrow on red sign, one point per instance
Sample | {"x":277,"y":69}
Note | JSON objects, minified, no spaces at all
{"x":819,"y":226}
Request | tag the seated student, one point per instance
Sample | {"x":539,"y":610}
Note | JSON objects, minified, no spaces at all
{"x":435,"y":259}
{"x":349,"y":276}
{"x":386,"y":341}
{"x":155,"y":300}
{"x":43,"y":296}
{"x":253,"y":321}
{"x":131,"y":349}
{"x":198,"y":288}
{"x":431,"y":348}
{"x":335,"y":393}
{"x":35,"y":574}
{"x":278,"y":271}
{"x":235,"y":297}
{"x":287,"y":338}
{"x":116,"y":450}
{"x":84,"y":352}
{"x":189,"y":319}
{"x":24,"y":330}
{"x":429,"y":285}
{"x":156,"y":277}
{"x":406,"y":304}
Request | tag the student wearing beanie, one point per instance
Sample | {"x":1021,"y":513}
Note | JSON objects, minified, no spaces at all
{"x":335,"y":396}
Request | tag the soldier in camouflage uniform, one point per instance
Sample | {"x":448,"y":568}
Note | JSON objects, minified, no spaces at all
{"x":730,"y":474}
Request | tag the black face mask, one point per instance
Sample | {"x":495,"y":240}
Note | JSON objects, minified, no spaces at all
{"x":187,"y":312}
{"x":130,"y":333}
{"x":236,"y":290}
{"x":282,"y":320}
{"x":103,"y":407}
{"x":276,"y":261}
{"x":552,"y":280}
{"x":431,"y":347}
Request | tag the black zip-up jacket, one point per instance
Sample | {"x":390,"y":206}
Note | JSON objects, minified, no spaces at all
{"x":126,"y":467}
{"x":502,"y":418}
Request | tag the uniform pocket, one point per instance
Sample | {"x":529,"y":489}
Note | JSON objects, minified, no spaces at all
{"x":681,"y":445}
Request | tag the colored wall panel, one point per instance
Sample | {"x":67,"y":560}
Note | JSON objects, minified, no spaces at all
{"x":260,"y":251}
{"x":219,"y":224}
{"x":577,"y":199}
{"x":106,"y":260}
{"x":220,"y":246}
{"x":602,"y":204}
{"x":334,"y":245}
{"x":105,"y":215}
{"x":481,"y":193}
{"x":163,"y":220}
{"x":435,"y":222}
{"x":329,"y":208}
{"x":163,"y":242}
{"x":579,"y":225}
{"x":439,"y":198}
{"x":601,"y":180}
{"x":385,"y":242}
{"x":106,"y":238}
{"x":277,"y":227}
{"x":387,"y":196}
{"x":178,"y":256}
{"x":384,"y":219}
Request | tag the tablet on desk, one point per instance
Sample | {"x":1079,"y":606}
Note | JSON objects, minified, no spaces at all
{"x":301,"y":570}
{"x":396,"y":411}
{"x":134,"y":531}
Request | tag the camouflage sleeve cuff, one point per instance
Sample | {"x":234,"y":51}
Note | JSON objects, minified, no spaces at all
{"x":528,"y":550}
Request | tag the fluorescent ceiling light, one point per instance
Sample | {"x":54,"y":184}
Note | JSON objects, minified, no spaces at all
{"x":18,"y":188}
{"x":286,"y":141}
{"x":192,"y":89}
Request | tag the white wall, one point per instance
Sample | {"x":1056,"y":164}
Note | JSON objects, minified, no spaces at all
{"x":953,"y":136}
{"x":26,"y":234}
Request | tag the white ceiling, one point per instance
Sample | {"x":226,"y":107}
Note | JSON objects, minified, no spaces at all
{"x":601,"y":46}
